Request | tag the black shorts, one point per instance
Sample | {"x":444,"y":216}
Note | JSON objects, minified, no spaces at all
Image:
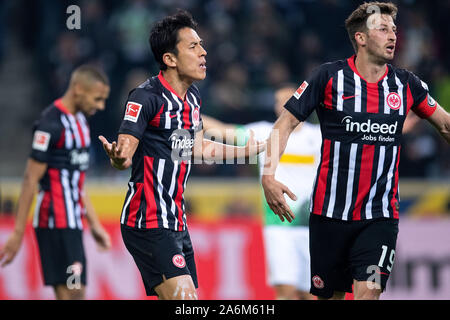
{"x":62,"y":256}
{"x":159,"y":252}
{"x":345,"y":250}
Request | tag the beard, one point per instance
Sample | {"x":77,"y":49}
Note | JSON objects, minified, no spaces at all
{"x":377,"y":56}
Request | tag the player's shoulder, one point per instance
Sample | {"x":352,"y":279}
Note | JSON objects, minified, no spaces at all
{"x":51,"y":114}
{"x":147,"y":92}
{"x":329,"y":69}
{"x":49,"y":118}
{"x":406,"y":75}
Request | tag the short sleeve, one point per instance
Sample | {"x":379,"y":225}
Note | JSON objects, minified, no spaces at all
{"x":46,"y":134}
{"x":309,"y":95}
{"x":423,"y":104}
{"x":140,"y":109}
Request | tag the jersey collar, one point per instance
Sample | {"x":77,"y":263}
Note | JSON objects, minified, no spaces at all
{"x":351,"y":63}
{"x":58,"y":103}
{"x":167,"y":85}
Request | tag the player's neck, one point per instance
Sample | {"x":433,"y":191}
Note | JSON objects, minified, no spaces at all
{"x":370,"y":70}
{"x":68,"y":103}
{"x":179,"y":85}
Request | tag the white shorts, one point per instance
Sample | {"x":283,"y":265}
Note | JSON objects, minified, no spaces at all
{"x":287,"y":256}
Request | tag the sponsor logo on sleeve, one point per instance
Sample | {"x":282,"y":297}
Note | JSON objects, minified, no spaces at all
{"x":41,"y":140}
{"x":132,"y":111}
{"x":300,"y":90}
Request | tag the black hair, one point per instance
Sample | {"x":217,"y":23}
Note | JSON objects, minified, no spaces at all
{"x":164,"y":34}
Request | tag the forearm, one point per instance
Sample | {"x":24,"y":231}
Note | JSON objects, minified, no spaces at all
{"x":212,"y":150}
{"x":441,"y":121}
{"x":29,"y":187}
{"x":276,"y":143}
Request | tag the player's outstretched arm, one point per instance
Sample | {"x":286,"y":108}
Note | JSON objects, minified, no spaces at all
{"x":440,"y":119}
{"x":276,"y":144}
{"x":121,"y":152}
{"x":33,"y":173}
{"x":98,"y":232}
{"x":214,"y":151}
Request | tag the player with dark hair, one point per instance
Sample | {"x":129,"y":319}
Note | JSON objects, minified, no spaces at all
{"x":58,"y":162}
{"x":362,"y":103}
{"x":160,"y":133}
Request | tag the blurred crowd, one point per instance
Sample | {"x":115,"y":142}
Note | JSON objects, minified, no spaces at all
{"x":253,"y":46}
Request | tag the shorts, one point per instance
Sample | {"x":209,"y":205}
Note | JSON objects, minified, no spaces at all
{"x":62,"y":256}
{"x":343,"y":251}
{"x":287,"y":255}
{"x":159,"y":252}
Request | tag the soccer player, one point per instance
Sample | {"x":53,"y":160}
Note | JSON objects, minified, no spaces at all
{"x":160,"y":133}
{"x":286,"y":245}
{"x":362,"y":103}
{"x":58,"y":161}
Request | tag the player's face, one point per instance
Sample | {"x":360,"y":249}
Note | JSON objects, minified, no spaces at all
{"x":92,"y":98}
{"x":281,"y":97}
{"x":191,"y":57}
{"x":381,"y":37}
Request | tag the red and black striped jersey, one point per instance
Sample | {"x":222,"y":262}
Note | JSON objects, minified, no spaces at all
{"x":361,"y":125}
{"x":61,"y":140}
{"x":165,"y":125}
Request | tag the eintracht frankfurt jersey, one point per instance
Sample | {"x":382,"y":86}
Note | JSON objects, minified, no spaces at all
{"x":361,"y":124}
{"x":61,"y":140}
{"x":165,"y":125}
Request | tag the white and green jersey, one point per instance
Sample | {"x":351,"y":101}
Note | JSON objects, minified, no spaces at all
{"x":297,"y":168}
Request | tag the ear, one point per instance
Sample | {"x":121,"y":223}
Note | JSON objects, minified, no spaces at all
{"x":170,"y":59}
{"x":78,"y":88}
{"x":361,"y":39}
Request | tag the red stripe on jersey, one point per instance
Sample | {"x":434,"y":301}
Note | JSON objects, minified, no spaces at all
{"x":81,"y":133}
{"x":372,"y":98}
{"x":179,"y":195}
{"x":150,"y":214}
{"x":135,"y":203}
{"x":186,"y":114}
{"x":393,"y":200}
{"x":328,"y":100}
{"x":44,"y":210}
{"x":167,"y":85}
{"x":157,"y":119}
{"x":57,"y":194}
{"x":62,"y":139}
{"x":322,"y":180}
{"x":365,"y":178}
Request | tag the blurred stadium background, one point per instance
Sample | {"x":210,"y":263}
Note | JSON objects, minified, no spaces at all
{"x":253,"y":46}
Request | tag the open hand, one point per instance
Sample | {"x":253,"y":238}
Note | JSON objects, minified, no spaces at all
{"x":116,"y":153}
{"x":274,"y":192}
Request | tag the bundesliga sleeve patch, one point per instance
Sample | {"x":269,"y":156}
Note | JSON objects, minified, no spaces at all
{"x":41,"y":140}
{"x":132,"y":111}
{"x":300,"y":90}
